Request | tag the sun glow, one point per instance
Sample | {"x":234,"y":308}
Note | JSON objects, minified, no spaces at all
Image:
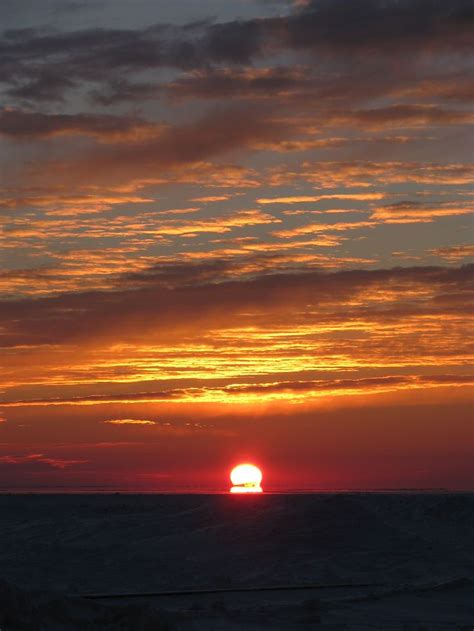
{"x":246,"y":478}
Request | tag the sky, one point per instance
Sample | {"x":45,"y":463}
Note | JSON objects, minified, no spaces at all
{"x":236,"y":230}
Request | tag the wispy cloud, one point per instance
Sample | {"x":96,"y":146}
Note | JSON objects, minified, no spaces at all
{"x":25,"y":125}
{"x":454,"y":253}
{"x":129,"y":421}
{"x":411,"y":212}
{"x":38,"y":461}
{"x":299,"y":199}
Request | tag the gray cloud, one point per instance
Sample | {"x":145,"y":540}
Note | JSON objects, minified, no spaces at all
{"x":41,"y":65}
{"x":26,"y":125}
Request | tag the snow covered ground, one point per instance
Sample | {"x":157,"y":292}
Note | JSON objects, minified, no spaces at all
{"x":414,"y":550}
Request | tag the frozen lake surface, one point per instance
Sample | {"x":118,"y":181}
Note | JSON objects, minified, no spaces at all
{"x":414,"y":550}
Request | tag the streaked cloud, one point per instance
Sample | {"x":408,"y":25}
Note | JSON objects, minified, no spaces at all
{"x":340,"y":226}
{"x":301,"y":199}
{"x":294,"y":391}
{"x":454,"y":253}
{"x":407,"y":212}
{"x":24,"y":125}
{"x":129,"y":421}
{"x":38,"y":461}
{"x":361,"y":173}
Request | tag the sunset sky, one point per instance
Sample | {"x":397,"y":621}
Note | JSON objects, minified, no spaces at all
{"x":236,"y":230}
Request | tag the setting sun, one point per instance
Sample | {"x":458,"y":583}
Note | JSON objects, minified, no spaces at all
{"x":246,"y":478}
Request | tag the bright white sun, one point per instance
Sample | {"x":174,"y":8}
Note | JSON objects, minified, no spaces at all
{"x":246,"y":478}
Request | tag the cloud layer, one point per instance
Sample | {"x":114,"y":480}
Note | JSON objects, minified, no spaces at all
{"x":219,"y":230}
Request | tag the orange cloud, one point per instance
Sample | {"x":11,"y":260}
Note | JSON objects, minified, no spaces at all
{"x":222,"y":224}
{"x":363,"y":173}
{"x":211,"y":198}
{"x":409,"y":212}
{"x":66,"y":204}
{"x":399,"y":116}
{"x":285,"y":324}
{"x":129,"y":421}
{"x":295,"y":391}
{"x":178,"y":211}
{"x":309,"y":143}
{"x":454,"y":253}
{"x":297,"y":199}
{"x":176,"y":149}
{"x":341,"y":226}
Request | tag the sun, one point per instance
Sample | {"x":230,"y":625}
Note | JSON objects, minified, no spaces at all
{"x":246,"y":478}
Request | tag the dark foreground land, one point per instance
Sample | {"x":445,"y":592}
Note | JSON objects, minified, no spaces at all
{"x":413,"y":550}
